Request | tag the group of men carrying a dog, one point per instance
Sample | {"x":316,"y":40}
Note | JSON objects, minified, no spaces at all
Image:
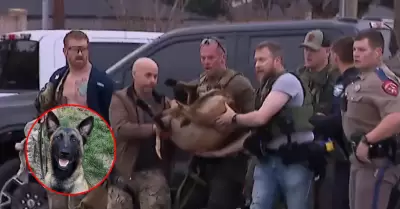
{"x":278,"y":114}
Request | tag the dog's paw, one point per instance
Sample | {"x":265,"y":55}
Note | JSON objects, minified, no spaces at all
{"x":171,"y":82}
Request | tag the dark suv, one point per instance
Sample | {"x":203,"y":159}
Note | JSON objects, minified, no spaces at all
{"x":177,"y":54}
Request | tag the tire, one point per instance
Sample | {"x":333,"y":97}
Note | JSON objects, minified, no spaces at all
{"x":31,"y":195}
{"x":8,"y":170}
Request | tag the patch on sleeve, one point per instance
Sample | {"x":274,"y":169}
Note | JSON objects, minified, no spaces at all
{"x":390,"y":88}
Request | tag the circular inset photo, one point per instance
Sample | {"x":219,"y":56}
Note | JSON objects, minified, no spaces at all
{"x":70,"y":150}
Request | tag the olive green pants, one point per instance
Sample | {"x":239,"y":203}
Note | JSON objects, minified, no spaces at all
{"x":151,"y":192}
{"x":365,"y":177}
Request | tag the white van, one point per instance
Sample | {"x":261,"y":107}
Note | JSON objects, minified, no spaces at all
{"x":28,"y":58}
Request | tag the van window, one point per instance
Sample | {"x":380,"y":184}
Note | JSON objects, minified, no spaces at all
{"x":104,"y":55}
{"x":19,"y":65}
{"x":292,"y":54}
{"x":180,"y":61}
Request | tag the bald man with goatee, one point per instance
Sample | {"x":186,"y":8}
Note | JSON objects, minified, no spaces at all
{"x":137,"y":161}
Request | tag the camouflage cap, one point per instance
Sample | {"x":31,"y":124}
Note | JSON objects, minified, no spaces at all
{"x":315,"y":39}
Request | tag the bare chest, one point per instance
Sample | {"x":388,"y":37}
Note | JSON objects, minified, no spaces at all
{"x":75,"y":90}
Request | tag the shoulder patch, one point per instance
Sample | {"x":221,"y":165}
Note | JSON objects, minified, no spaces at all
{"x":390,"y":88}
{"x":388,"y":85}
{"x":338,"y":90}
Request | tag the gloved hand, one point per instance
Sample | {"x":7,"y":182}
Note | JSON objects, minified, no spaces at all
{"x":325,"y":125}
{"x":320,"y":121}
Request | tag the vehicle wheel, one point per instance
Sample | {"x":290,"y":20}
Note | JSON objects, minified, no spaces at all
{"x":8,"y":170}
{"x":29,"y":196}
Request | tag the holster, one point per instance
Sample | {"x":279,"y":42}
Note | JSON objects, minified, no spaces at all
{"x":386,"y":148}
{"x":312,"y":154}
{"x":255,"y":144}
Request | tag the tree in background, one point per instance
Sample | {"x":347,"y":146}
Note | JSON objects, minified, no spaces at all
{"x":320,"y":8}
{"x":210,"y":8}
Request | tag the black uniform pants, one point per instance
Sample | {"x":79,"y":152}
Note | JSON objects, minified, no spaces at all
{"x":340,"y":196}
{"x":224,"y":180}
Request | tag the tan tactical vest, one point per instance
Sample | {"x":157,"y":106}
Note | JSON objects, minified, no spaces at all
{"x":205,"y":86}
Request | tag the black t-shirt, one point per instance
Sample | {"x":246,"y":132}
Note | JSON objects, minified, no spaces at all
{"x":147,"y":157}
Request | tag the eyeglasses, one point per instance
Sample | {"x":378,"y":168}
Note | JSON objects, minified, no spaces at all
{"x":77,"y":49}
{"x":208,"y":41}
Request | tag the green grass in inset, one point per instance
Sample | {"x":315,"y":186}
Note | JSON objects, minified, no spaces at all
{"x":99,"y":149}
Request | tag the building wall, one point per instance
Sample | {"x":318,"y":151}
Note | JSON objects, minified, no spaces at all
{"x":15,"y":20}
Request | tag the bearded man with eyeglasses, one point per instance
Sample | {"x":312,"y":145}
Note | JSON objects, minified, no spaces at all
{"x":216,"y":182}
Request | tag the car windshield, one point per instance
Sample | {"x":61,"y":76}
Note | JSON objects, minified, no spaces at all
{"x":19,"y":65}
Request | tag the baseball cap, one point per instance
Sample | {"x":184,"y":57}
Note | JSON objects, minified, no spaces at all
{"x":315,"y":39}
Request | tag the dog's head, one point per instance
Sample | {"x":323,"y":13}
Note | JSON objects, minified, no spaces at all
{"x":66,"y":143}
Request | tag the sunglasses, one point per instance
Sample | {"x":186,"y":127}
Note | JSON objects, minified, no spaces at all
{"x":208,"y":41}
{"x":77,"y":49}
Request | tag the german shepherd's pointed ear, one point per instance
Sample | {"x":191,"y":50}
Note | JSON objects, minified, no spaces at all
{"x":85,"y":128}
{"x":52,"y":123}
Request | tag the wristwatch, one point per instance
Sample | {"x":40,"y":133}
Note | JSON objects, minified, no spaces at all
{"x":365,"y":141}
{"x":234,"y":119}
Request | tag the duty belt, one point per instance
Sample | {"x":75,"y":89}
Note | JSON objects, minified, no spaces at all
{"x":385,"y":148}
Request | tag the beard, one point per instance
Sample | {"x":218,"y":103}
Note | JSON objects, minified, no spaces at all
{"x":78,"y":63}
{"x":264,"y":74}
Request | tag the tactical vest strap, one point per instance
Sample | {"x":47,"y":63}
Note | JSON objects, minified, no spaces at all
{"x":227,"y":78}
{"x":302,"y":85}
{"x":224,"y":81}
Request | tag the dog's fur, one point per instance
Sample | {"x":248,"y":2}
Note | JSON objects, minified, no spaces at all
{"x":67,"y":144}
{"x":193,"y":127}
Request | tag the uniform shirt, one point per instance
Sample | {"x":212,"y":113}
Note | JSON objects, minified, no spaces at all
{"x":369,"y":100}
{"x":290,"y":85}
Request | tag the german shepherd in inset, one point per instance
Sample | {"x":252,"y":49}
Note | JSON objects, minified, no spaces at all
{"x":65,"y":172}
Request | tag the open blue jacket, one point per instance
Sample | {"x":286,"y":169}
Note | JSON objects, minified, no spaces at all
{"x":99,"y":91}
